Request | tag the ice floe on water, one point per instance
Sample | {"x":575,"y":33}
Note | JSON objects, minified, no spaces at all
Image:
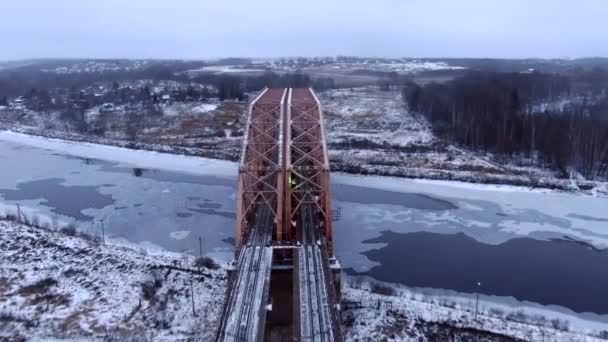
{"x":489,"y":213}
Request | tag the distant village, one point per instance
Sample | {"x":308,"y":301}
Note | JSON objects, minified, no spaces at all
{"x":109,"y":98}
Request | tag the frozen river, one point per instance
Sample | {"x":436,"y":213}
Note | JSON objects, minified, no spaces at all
{"x":517,"y":242}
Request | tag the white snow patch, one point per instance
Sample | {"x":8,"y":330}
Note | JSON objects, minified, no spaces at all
{"x":180,"y":234}
{"x":204,"y":108}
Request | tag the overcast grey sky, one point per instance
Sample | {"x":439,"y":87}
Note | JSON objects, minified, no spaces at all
{"x":220,"y":28}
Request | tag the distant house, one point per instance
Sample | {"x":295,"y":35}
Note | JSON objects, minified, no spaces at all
{"x":18,"y":103}
{"x":106,"y":108}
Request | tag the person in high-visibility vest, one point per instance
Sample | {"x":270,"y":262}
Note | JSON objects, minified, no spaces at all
{"x":292,"y":181}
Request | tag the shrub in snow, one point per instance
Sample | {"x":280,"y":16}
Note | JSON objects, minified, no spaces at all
{"x":559,"y":324}
{"x":10,"y":217}
{"x":517,"y":316}
{"x":148,"y":290}
{"x":35,"y":221}
{"x":383,"y":290}
{"x":40,"y":287}
{"x":497,"y":312}
{"x":206,"y":262}
{"x":69,"y":230}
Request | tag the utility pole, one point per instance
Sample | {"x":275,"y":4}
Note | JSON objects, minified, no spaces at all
{"x":18,"y":212}
{"x":192,"y":296}
{"x":103,"y":233}
{"x":477,"y":300}
{"x":476,"y":304}
{"x":200,"y":245}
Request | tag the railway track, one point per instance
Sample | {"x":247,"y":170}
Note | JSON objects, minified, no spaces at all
{"x":245,"y":310}
{"x":315,"y":310}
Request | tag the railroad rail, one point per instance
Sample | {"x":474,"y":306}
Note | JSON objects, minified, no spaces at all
{"x":318,"y":316}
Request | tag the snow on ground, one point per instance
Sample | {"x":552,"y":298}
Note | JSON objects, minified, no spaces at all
{"x":371,"y":131}
{"x":137,"y":158}
{"x":180,"y":234}
{"x":377,"y":312}
{"x":57,"y":286}
{"x":561,"y":103}
{"x":204,"y":108}
{"x":376,"y":116}
{"x":410,"y":66}
{"x":178,"y":108}
{"x":225,"y":69}
{"x":414,"y":66}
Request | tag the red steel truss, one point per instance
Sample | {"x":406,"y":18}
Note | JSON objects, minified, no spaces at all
{"x":306,"y":163}
{"x":284,"y":164}
{"x":261,"y":171}
{"x":284,"y":183}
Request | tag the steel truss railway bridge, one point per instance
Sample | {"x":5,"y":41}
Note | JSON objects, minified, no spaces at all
{"x":284,"y":285}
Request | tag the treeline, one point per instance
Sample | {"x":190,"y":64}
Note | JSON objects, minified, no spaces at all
{"x":497,"y":112}
{"x":235,"y":87}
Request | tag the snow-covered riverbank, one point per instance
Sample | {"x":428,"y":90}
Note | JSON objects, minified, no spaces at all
{"x":138,"y":158}
{"x":376,"y":312}
{"x":157,"y":157}
{"x":54,"y":285}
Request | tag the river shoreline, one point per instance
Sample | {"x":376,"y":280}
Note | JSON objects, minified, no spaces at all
{"x":221,"y":154}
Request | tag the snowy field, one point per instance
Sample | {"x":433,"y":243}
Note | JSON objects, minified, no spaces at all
{"x":225,"y":69}
{"x":210,"y":129}
{"x":414,"y":66}
{"x":371,"y":131}
{"x":57,"y":286}
{"x":53,"y":285}
{"x":179,"y":109}
{"x":380,"y":117}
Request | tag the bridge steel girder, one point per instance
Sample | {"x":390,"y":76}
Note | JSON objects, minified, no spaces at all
{"x":307,"y":164}
{"x":261,"y":168}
